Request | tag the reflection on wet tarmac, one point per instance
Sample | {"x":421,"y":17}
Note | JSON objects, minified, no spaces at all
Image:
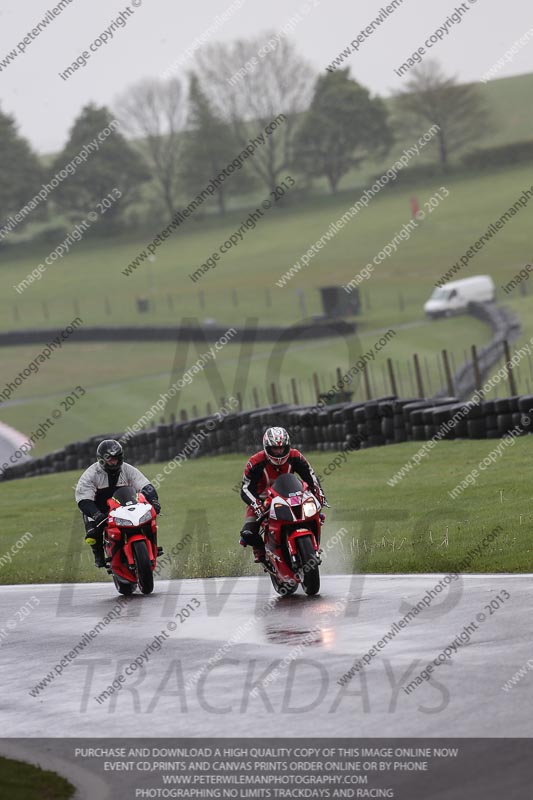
{"x":308,"y":621}
{"x":286,"y":634}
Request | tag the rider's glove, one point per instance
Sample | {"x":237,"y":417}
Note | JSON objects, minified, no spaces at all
{"x":156,"y":506}
{"x":320,"y":496}
{"x":99,"y":520}
{"x":259,"y":509}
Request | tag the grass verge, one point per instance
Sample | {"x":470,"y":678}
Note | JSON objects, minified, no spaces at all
{"x":21,"y":781}
{"x":412,"y":527}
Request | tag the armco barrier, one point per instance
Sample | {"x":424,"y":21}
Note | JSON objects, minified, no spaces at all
{"x":387,"y":420}
{"x":505,"y":327}
{"x":316,"y":328}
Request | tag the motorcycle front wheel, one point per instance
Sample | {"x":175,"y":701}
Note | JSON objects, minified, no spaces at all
{"x":123,"y":588}
{"x":311,"y":574}
{"x":143,"y":567}
{"x":284,"y":589}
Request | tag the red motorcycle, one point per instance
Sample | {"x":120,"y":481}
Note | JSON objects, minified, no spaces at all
{"x":292,"y":536}
{"x":130,"y":541}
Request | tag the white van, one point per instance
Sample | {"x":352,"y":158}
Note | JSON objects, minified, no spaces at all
{"x":454,"y":297}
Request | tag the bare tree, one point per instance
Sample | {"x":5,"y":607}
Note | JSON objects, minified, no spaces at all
{"x":154,"y":112}
{"x":250,"y":90}
{"x":458,"y":109}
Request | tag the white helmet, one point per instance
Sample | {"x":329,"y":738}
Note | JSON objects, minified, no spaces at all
{"x":277,"y":445}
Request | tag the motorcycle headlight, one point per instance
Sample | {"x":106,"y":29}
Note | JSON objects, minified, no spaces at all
{"x":123,"y":523}
{"x":146,"y":517}
{"x":309,"y":508}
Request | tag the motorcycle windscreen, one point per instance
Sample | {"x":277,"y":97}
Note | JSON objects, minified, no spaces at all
{"x":287,"y":484}
{"x":125,"y":495}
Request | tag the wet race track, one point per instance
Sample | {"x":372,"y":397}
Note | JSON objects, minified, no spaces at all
{"x":227,"y":657}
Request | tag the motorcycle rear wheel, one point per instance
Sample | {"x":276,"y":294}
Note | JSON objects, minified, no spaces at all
{"x":311,"y":575}
{"x":284,"y":589}
{"x":143,"y":567}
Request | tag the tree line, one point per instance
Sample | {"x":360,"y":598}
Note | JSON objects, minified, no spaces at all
{"x":175,"y":135}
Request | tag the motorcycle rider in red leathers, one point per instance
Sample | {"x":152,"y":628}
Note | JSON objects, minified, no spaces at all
{"x":276,"y":458}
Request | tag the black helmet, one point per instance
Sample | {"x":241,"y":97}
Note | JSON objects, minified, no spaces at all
{"x":110,"y":455}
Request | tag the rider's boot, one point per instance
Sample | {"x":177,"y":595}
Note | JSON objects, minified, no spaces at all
{"x":259,"y":554}
{"x":98,"y":549}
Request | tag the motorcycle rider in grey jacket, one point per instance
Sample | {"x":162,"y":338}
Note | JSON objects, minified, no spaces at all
{"x":97,"y":485}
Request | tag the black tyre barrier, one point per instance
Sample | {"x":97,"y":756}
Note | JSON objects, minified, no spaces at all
{"x":345,"y":426}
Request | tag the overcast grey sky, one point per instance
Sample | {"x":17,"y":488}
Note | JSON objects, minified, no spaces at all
{"x":157,"y":32}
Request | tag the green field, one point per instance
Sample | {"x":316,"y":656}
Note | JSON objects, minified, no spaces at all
{"x":19,"y":781}
{"x":80,"y":282}
{"x":388,"y":529}
{"x":392,"y":297}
